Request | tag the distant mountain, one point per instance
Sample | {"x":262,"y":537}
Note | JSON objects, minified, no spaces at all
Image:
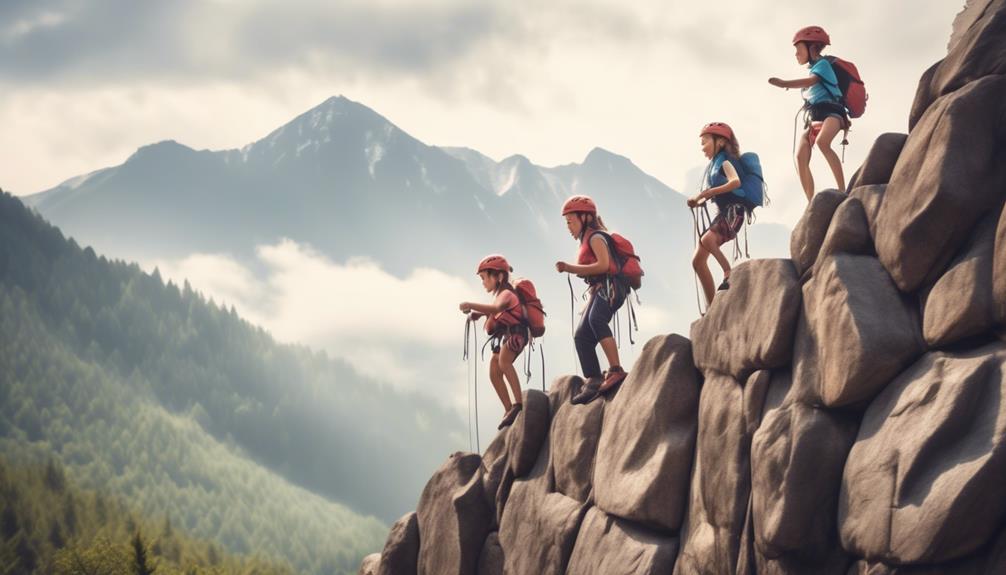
{"x":349,"y":182}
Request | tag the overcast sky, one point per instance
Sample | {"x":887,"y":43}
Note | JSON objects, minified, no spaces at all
{"x":85,"y":83}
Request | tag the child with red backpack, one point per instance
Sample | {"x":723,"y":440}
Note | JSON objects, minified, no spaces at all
{"x":508,"y":328}
{"x":722,"y":181}
{"x":610,"y":281}
{"x":828,"y":104}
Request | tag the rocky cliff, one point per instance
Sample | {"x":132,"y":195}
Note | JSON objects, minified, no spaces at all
{"x":838,"y":412}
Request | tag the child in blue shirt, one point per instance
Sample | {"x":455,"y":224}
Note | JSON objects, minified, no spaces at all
{"x":720,"y":146}
{"x":825,"y":113}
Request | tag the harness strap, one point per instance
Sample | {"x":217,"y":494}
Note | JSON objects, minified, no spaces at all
{"x":845,"y":141}
{"x":632,"y":319}
{"x":468,"y":380}
{"x":695,"y":244}
{"x":527,"y":363}
{"x":469,"y":327}
{"x":541,"y":352}
{"x":572,"y":330}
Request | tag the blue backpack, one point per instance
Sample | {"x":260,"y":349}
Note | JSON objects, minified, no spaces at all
{"x":752,"y":190}
{"x":752,"y":181}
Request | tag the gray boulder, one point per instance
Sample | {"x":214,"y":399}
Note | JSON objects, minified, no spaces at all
{"x":751,"y":325}
{"x":491,"y":560}
{"x":999,"y":270}
{"x":961,"y":304}
{"x":575,"y":432}
{"x":977,"y":49}
{"x":721,"y":483}
{"x":849,"y":232}
{"x":539,"y":526}
{"x":860,"y":333}
{"x":648,"y":436}
{"x":454,"y":518}
{"x":528,"y":432}
{"x":755,"y":395}
{"x":871,"y":197}
{"x":370,"y":564}
{"x":924,"y":481}
{"x":880,"y":161}
{"x":797,"y":457}
{"x":805,"y":242}
{"x":401,"y":550}
{"x":494,"y":470}
{"x":608,"y":545}
{"x":949,"y":176}
{"x":991,"y":560}
{"x":834,"y":563}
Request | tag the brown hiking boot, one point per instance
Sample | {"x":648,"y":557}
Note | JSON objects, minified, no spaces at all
{"x":612,"y":379}
{"x":588,"y":391}
{"x":510,"y":415}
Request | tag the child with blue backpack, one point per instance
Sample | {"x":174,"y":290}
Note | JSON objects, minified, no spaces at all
{"x":723,"y":185}
{"x":826,"y":114}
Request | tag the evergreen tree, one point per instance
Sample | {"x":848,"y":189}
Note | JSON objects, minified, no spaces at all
{"x":141,"y":565}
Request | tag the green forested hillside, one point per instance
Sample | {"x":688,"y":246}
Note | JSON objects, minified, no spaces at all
{"x":156,"y":395}
{"x":49,"y":525}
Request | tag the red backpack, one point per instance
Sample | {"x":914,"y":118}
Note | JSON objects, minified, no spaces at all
{"x":853,"y":89}
{"x":534,"y":311}
{"x":626,"y":260}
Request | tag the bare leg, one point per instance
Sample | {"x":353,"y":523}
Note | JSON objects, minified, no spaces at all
{"x":507,"y":357}
{"x":610,"y":349}
{"x":831,"y":127}
{"x":711,"y":242}
{"x":803,"y":165}
{"x":702,"y":270}
{"x":496,"y":377}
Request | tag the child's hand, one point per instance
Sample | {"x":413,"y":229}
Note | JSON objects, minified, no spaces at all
{"x":465,"y":307}
{"x":561,"y":267}
{"x":777,"y":82}
{"x":696,"y":201}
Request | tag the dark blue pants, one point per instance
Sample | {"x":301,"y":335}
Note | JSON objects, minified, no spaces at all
{"x":594,"y":326}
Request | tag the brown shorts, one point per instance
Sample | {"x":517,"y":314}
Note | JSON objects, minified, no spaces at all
{"x":728,"y":222}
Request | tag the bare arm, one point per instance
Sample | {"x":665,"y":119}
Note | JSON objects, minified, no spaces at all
{"x":600,"y":249}
{"x":733,"y":182}
{"x":497,"y":306}
{"x":801,"y":83}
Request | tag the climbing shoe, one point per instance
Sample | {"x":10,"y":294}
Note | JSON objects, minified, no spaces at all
{"x":510,"y":415}
{"x":588,"y":391}
{"x":612,"y":379}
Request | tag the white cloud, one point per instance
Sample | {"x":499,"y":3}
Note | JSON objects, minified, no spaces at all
{"x":215,"y":275}
{"x":311,"y":295}
{"x":395,"y":329}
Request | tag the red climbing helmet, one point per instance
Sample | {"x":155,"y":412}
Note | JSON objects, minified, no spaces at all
{"x":579,"y":204}
{"x":814,"y":34}
{"x":494,"y":262}
{"x":717,"y":129}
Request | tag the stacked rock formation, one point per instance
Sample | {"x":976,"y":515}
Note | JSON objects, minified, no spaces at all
{"x":838,"y":412}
